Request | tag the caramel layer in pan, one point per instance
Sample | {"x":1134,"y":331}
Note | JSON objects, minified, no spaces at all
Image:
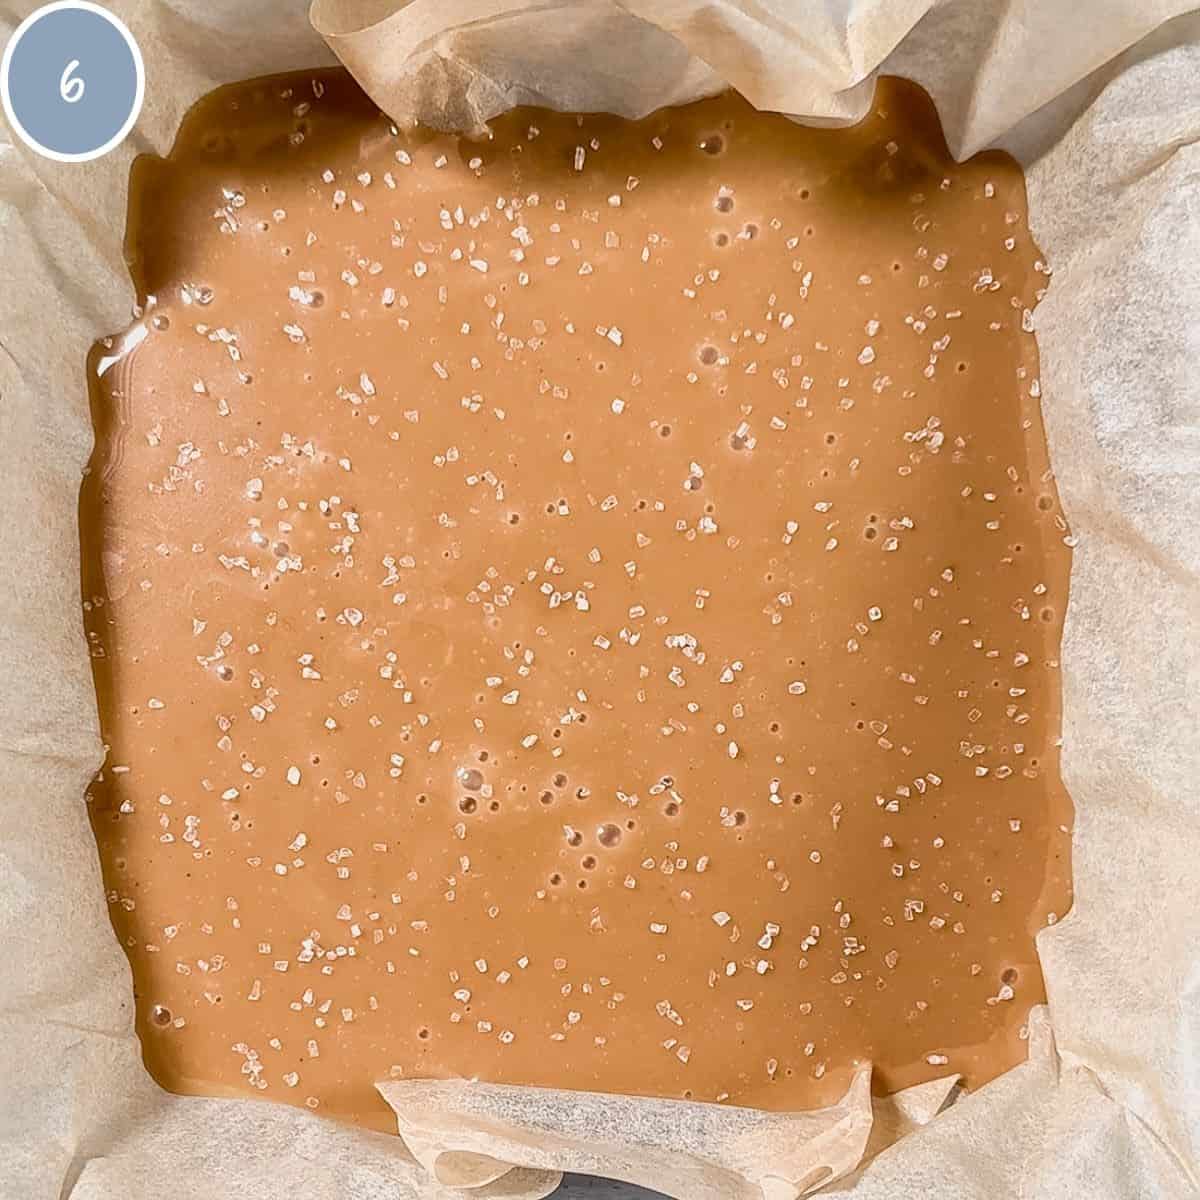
{"x":577,"y":607}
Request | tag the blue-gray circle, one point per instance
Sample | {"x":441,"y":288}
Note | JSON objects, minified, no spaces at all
{"x":106,"y":67}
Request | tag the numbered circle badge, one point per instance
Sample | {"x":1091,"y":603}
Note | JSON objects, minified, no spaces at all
{"x":72,"y":81}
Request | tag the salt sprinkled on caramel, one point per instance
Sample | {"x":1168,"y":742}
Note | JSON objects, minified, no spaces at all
{"x":577,"y":607}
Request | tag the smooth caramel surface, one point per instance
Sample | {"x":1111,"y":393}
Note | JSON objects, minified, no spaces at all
{"x":578,"y":607}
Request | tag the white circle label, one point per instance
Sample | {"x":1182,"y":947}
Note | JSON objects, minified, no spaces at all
{"x":72,"y":81}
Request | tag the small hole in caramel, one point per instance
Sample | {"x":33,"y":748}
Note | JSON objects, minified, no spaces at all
{"x":608,"y":835}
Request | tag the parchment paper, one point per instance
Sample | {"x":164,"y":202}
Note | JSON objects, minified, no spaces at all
{"x":1101,"y":102}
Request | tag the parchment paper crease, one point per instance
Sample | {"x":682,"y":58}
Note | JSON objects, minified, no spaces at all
{"x":1101,"y":102}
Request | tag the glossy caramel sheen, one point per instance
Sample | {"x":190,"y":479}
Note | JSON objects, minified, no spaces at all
{"x":578,"y":607}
